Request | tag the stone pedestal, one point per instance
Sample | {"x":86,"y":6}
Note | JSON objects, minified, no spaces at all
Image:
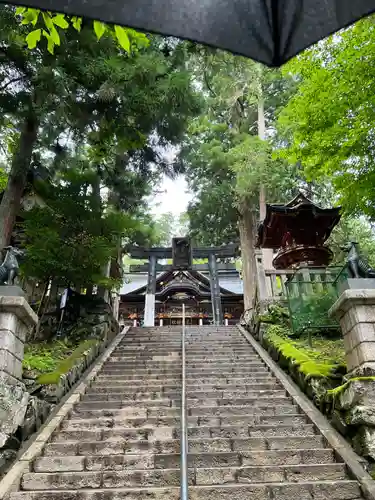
{"x":355,"y":309}
{"x":16,"y":318}
{"x":355,"y":403}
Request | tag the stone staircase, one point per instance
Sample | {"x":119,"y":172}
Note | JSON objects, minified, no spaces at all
{"x":247,"y":439}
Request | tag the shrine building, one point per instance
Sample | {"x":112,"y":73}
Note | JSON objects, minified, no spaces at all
{"x":173,"y":288}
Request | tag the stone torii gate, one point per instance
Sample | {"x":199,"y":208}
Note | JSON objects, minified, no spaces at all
{"x":153,"y":254}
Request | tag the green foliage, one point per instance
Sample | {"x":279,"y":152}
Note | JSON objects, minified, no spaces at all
{"x":310,"y":363}
{"x":226,"y":162}
{"x":168,"y":226}
{"x":67,"y":364}
{"x":328,"y":124}
{"x":310,"y":312}
{"x":45,"y":357}
{"x":275,"y":315}
{"x":68,"y":239}
{"x":353,"y":229}
{"x":127,"y":38}
{"x":3,"y":179}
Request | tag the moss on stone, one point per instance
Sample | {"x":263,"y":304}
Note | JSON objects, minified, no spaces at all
{"x":53,"y":377}
{"x":313,"y":369}
{"x":310,"y":367}
{"x":337,"y":390}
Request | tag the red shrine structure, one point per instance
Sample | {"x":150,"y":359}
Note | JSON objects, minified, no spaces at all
{"x":298,"y":231}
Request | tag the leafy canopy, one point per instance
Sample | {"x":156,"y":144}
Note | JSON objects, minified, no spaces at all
{"x":48,"y":26}
{"x":328,"y":124}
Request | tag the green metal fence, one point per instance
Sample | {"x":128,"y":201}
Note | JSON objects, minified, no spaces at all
{"x":310,"y":293}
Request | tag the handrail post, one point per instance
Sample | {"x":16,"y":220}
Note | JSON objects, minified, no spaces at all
{"x":184,"y":443}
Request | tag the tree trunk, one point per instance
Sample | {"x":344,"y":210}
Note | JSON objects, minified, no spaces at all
{"x":267,"y":253}
{"x":247,"y":231}
{"x":262,"y":136}
{"x":11,"y":201}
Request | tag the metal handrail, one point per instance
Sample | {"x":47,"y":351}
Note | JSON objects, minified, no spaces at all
{"x":184,"y":441}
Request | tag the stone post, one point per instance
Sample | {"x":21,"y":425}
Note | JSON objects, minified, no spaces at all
{"x":355,"y":403}
{"x":16,"y":318}
{"x":355,"y":309}
{"x":149,"y":317}
{"x":200,"y":322}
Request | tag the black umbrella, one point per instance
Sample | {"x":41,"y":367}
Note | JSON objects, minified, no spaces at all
{"x":269,"y":31}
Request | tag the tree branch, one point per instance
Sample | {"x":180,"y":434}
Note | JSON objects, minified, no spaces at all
{"x":208,"y":84}
{"x":13,"y":80}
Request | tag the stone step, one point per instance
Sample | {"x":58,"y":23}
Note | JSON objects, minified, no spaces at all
{"x":117,"y":445}
{"x":113,"y":374}
{"x":264,"y":417}
{"x":163,"y":346}
{"x":152,"y":363}
{"x":267,"y":385}
{"x":214,"y":345}
{"x":107,"y":387}
{"x":143,"y":366}
{"x":175,"y":397}
{"x":256,"y":400}
{"x":206,"y":350}
{"x":242,"y":431}
{"x":202,"y":381}
{"x":239,"y":393}
{"x":130,"y":422}
{"x":258,"y":375}
{"x":105,"y":472}
{"x":100,"y":475}
{"x":206,"y":356}
{"x":259,"y":372}
{"x":204,"y":365}
{"x":113,"y":479}
{"x":169,"y":416}
{"x":192,"y":388}
{"x":110,"y":377}
{"x":227,"y":432}
{"x":141,"y":381}
{"x":258,"y":387}
{"x":257,"y":408}
{"x":228,"y":359}
{"x":253,"y":458}
{"x":269,"y":473}
{"x":155,"y":385}
{"x":319,"y":490}
{"x":137,"y":379}
{"x":111,"y":404}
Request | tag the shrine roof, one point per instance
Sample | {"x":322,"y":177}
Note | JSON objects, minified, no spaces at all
{"x":229,"y":281}
{"x":300,"y":217}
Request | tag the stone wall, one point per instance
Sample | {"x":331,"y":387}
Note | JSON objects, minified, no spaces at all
{"x":347,"y":403}
{"x":26,"y":405}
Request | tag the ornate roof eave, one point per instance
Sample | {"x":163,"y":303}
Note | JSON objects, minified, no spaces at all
{"x":197,"y":280}
{"x":299,"y":205}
